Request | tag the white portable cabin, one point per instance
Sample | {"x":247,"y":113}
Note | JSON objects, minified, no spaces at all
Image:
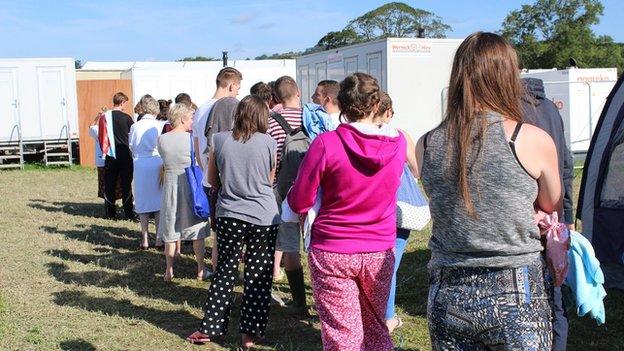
{"x":413,"y":71}
{"x":580,"y":95}
{"x":165,"y":80}
{"x":37,"y":106}
{"x":38,"y":95}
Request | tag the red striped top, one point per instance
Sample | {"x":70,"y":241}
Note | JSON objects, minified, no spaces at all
{"x":293,"y":116}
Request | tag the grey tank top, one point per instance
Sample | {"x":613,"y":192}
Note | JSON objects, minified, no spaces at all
{"x":504,"y":233}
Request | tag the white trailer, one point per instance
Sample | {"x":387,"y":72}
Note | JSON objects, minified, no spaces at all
{"x":37,"y":108}
{"x":580,"y":95}
{"x":164,"y":80}
{"x":414,"y":71}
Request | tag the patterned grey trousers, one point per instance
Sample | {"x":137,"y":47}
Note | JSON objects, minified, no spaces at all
{"x":490,"y":309}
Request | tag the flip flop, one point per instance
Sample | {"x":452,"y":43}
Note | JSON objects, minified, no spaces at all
{"x":198,"y":338}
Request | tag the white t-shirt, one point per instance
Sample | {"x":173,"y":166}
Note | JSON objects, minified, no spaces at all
{"x":93,"y":131}
{"x":199,"y":125}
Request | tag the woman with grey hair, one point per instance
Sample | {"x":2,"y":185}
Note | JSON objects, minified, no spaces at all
{"x":147,"y":163}
{"x":177,"y":219}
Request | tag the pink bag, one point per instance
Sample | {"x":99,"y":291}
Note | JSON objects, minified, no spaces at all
{"x":557,"y":245}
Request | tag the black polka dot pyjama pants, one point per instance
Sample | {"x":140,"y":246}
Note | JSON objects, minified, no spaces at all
{"x":259,"y":241}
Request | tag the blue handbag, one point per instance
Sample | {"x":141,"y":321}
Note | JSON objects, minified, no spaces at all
{"x":194,"y":176}
{"x":412,"y":206}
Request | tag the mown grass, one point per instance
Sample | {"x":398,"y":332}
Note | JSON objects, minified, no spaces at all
{"x":71,"y":280}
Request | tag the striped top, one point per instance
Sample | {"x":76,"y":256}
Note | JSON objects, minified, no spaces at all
{"x":294,"y":117}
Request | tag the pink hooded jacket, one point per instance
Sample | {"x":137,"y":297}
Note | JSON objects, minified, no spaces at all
{"x":359,"y":174}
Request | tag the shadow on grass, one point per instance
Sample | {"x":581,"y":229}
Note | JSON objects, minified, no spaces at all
{"x":178,"y":322}
{"x":84,"y":209}
{"x":140,"y":276}
{"x":99,"y":235}
{"x":77,"y":344}
{"x":284,"y":332}
{"x":584,"y":334}
{"x":413,"y":283}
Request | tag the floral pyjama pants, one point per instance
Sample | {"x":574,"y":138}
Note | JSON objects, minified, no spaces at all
{"x":351,"y":293}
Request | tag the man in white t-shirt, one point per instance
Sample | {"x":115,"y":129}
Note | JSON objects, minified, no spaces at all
{"x":228,"y":84}
{"x":326,"y":95}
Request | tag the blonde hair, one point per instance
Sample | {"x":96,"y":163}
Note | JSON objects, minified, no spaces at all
{"x":178,"y":112}
{"x":148,"y":104}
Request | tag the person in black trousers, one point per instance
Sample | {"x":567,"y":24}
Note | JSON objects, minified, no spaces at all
{"x":121,"y":165}
{"x":247,"y":216}
{"x":542,"y":113}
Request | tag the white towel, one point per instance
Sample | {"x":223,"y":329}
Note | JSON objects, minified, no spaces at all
{"x":289,"y":216}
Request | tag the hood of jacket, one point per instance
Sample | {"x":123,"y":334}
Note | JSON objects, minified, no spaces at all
{"x":372,"y":151}
{"x":534,"y":90}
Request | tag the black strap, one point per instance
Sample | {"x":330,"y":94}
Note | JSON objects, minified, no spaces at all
{"x":515,"y":134}
{"x":282,"y":122}
{"x":425,"y":137}
{"x":512,"y":145}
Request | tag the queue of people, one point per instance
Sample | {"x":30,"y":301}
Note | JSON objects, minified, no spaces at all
{"x":487,"y":174}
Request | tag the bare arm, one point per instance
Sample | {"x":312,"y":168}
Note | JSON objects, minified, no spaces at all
{"x":198,"y":154}
{"x":213,"y":173}
{"x":550,"y":195}
{"x":411,"y":160}
{"x":537,"y":153}
{"x":420,"y":153}
{"x":272,"y":175}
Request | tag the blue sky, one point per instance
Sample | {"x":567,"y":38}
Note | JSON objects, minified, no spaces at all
{"x":118,"y":30}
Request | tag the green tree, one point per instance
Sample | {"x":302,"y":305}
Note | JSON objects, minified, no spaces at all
{"x":276,"y":56}
{"x":550,"y":32}
{"x":336,"y":39}
{"x":397,"y":19}
{"x":199,"y":58}
{"x":394,"y":19}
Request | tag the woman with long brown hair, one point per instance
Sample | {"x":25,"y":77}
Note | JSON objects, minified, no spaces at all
{"x":486,"y":173}
{"x":242,"y":166}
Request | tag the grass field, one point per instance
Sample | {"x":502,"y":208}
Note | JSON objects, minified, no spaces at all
{"x":71,"y":280}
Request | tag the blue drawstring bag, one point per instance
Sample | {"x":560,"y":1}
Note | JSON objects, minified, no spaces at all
{"x":412,"y":207}
{"x":194,"y":177}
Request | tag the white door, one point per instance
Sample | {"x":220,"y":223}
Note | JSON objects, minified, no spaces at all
{"x":304,"y":81}
{"x":52,"y":103}
{"x":373,"y":65}
{"x":350,"y":65}
{"x":8,"y":105}
{"x":321,"y":71}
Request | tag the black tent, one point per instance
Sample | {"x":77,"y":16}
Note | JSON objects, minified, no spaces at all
{"x":601,"y":198}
